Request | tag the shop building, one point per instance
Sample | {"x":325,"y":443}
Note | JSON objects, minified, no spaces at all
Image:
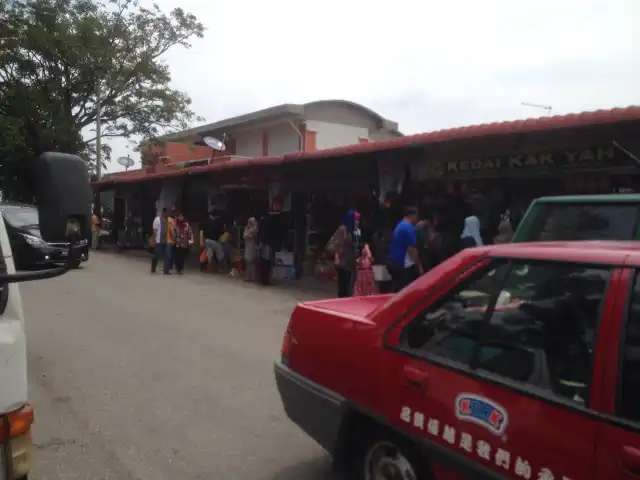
{"x":277,"y":130}
{"x":494,"y":166}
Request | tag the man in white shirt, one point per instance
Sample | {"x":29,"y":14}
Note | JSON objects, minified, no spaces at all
{"x":162,"y":240}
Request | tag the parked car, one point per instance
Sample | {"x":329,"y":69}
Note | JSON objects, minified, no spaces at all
{"x":581,"y":217}
{"x":513,"y":361}
{"x":29,"y":249}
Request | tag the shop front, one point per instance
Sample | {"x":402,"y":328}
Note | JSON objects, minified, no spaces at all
{"x":491,"y":186}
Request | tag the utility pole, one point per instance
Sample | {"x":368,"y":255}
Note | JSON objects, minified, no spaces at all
{"x":98,"y":133}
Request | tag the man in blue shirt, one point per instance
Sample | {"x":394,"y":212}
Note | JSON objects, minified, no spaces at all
{"x":403,"y":261}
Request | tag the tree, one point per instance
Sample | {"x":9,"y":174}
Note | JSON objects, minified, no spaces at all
{"x":55,"y":55}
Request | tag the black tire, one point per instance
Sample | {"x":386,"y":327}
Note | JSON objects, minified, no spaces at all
{"x":402,"y":453}
{"x":76,"y":264}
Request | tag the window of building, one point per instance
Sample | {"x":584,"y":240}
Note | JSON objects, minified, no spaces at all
{"x":540,"y":330}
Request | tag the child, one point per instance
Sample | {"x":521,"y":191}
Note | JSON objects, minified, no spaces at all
{"x":228,"y":247}
{"x":365,"y":280}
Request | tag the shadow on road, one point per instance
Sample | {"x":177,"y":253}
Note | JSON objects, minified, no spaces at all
{"x":314,"y":469}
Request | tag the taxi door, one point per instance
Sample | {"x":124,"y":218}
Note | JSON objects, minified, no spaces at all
{"x":460,"y":381}
{"x":618,"y":456}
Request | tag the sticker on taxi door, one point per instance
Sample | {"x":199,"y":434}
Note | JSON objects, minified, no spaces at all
{"x":482,"y":411}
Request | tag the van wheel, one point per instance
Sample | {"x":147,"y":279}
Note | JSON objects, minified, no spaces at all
{"x":384,"y":455}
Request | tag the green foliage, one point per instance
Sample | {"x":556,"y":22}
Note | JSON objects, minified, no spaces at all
{"x":55,"y":55}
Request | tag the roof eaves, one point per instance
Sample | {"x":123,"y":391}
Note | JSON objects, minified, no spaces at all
{"x":576,"y":120}
{"x":286,"y":108}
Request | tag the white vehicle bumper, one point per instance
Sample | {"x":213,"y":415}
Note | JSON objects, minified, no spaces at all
{"x":20,"y":446}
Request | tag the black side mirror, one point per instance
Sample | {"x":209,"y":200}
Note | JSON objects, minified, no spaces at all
{"x":63,"y":196}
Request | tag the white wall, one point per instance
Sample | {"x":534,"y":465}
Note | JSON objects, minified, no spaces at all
{"x":331,"y":135}
{"x":283,"y":139}
{"x":249,"y":143}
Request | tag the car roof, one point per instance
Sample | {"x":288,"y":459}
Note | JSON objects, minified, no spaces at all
{"x":588,"y":251}
{"x":610,"y":198}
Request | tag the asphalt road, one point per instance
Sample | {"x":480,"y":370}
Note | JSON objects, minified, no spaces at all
{"x":144,"y":377}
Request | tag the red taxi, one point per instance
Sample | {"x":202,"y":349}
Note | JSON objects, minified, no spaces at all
{"x":515,"y":361}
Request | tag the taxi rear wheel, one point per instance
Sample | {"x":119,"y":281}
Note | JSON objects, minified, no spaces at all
{"x":383,"y":455}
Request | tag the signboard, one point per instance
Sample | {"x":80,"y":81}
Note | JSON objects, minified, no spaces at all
{"x":588,"y":158}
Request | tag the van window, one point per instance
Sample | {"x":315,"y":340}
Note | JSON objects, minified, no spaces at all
{"x":586,"y":222}
{"x":628,"y":402}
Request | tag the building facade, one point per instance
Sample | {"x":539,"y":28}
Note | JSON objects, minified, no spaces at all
{"x":280,"y":130}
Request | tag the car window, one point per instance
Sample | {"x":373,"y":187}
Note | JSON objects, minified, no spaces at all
{"x":586,"y":222}
{"x":628,"y":404}
{"x":546,"y":322}
{"x":450,"y":328}
{"x":541,"y":330}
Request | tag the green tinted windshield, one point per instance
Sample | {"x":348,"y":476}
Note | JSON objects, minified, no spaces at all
{"x":598,"y":217}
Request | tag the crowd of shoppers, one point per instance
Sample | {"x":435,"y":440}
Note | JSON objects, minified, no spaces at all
{"x":416,"y":245}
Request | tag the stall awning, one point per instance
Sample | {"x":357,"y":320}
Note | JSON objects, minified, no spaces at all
{"x":542,"y":124}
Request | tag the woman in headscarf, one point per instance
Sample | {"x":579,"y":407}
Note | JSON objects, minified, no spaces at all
{"x":250,"y":250}
{"x":470,"y":236}
{"x":343,"y":245}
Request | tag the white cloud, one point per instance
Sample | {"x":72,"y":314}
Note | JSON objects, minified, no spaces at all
{"x":425,"y":64}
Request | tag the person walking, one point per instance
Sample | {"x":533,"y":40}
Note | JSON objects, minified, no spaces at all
{"x":429,"y":243}
{"x":182,"y":241}
{"x":470,"y":236}
{"x":403,"y":261}
{"x":250,"y":236}
{"x":162,"y":240}
{"x":269,"y":240}
{"x":210,"y":238}
{"x":95,"y":230}
{"x":505,"y":230}
{"x":343,"y":246}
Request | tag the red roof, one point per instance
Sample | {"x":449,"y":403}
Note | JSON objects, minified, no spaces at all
{"x":574,"y":120}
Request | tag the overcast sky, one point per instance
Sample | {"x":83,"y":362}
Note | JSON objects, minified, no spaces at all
{"x":422,"y":63}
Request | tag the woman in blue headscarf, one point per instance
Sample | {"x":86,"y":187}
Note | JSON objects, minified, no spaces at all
{"x":343,"y":245}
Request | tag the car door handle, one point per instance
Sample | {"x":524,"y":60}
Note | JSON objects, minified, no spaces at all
{"x":631,"y":460}
{"x":416,"y":378}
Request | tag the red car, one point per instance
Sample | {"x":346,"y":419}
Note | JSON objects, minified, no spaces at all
{"x":517,"y":361}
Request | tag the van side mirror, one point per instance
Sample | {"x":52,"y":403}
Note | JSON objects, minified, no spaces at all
{"x":63,"y":196}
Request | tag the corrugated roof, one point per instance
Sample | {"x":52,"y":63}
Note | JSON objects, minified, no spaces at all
{"x":287,"y":109}
{"x":576,"y":120}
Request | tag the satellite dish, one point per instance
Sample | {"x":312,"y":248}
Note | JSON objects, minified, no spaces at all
{"x":126,"y":162}
{"x":214,"y":143}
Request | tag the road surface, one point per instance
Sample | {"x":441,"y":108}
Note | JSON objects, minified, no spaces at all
{"x":147,"y":377}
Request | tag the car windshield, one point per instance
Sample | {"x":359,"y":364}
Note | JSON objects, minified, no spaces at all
{"x":587,"y":222}
{"x":21,"y":216}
